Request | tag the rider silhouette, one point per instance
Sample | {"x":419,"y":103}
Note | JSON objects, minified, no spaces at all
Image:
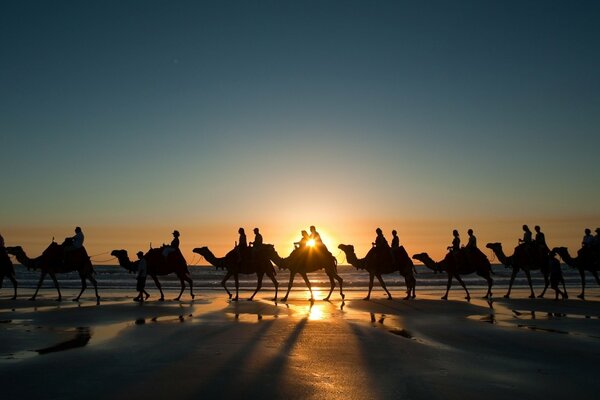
{"x":301,"y":244}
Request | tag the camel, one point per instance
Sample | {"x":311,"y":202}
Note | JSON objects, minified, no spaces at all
{"x":157,"y":264}
{"x":7,"y":270}
{"x":522,"y":260}
{"x":584,"y":261}
{"x":247,"y":262}
{"x":402,"y":264}
{"x":309,"y":259}
{"x":456,"y":265}
{"x":54,"y":260}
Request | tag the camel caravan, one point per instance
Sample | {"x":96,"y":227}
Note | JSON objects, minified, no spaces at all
{"x":309,"y":255}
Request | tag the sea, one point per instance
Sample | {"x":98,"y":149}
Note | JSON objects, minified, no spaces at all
{"x":209,"y":278}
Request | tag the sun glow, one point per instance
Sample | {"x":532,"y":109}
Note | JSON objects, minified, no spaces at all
{"x":311,"y":243}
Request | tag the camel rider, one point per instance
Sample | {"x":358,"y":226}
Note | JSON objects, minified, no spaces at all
{"x":455,"y":242}
{"x":174,"y":244}
{"x":241,"y":246}
{"x":471,"y":250}
{"x":301,"y":244}
{"x":258,"y":239}
{"x":527,"y":236}
{"x":1,"y":243}
{"x":540,"y":239}
{"x":315,"y":236}
{"x":395,"y":245}
{"x":242,"y":243}
{"x":76,"y":242}
{"x":588,"y":239}
{"x":472,"y":243}
{"x":380,"y":240}
{"x":395,"y":240}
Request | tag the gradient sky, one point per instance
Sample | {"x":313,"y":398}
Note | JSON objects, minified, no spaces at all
{"x":134,"y":118}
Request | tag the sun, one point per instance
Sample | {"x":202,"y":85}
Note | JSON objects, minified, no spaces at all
{"x":311,"y":243}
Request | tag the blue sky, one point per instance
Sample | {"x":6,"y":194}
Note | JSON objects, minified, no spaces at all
{"x":287,"y":113}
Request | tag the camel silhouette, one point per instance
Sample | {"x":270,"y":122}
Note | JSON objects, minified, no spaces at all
{"x":585,"y":261}
{"x":158,"y":265}
{"x":376,"y":266}
{"x":522,"y":260}
{"x":7,"y":270}
{"x":309,"y":259}
{"x":54,"y":261}
{"x":456,"y":265}
{"x":247,"y":262}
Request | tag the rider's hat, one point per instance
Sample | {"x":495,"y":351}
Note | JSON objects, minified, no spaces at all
{"x":176,"y":233}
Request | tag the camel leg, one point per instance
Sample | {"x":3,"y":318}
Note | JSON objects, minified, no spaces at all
{"x":224,"y":282}
{"x":382,"y":283}
{"x":159,"y":287}
{"x":528,"y":275}
{"x":459,"y":279}
{"x":305,"y":277}
{"x":512,"y":280}
{"x":595,"y":273}
{"x":341,"y":282}
{"x":411,"y":283}
{"x":291,"y":282}
{"x":407,"y":284}
{"x":39,"y":285}
{"x":486,"y":275}
{"x":182,"y":283}
{"x":275,"y":283}
{"x":14,"y":282}
{"x":83,"y":287}
{"x":189,"y":280}
{"x":445,"y":297}
{"x":546,"y":284}
{"x":53,"y":276}
{"x":371,"y":276}
{"x":331,"y":285}
{"x":237,"y":286}
{"x":95,"y":283}
{"x":582,"y":274}
{"x":260,"y":276}
{"x":566,"y":296}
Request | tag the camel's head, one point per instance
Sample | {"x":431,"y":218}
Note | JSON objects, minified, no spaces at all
{"x":560,"y":251}
{"x":420,"y":256}
{"x":494,"y":246}
{"x":203,"y":251}
{"x":14,"y":250}
{"x":119,"y":253}
{"x":346,"y":248}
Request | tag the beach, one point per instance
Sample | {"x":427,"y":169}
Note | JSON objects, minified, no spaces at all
{"x":211,"y":347}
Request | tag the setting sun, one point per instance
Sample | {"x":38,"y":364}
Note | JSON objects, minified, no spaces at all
{"x":310,"y":243}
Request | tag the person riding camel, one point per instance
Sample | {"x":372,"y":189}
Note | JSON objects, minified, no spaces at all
{"x":76,"y":242}
{"x":395,"y":240}
{"x":316,"y":236}
{"x":380,"y":240}
{"x":540,"y":240}
{"x":381,"y":246}
{"x":242,"y":245}
{"x":301,"y":244}
{"x":455,"y":246}
{"x":527,"y":236}
{"x":258,"y":239}
{"x":174,"y":244}
{"x":471,"y":249}
{"x":588,"y":239}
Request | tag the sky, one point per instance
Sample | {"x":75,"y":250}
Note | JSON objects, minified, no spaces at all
{"x":134,"y":118}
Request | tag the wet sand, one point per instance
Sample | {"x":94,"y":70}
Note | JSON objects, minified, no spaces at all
{"x":212,"y":348}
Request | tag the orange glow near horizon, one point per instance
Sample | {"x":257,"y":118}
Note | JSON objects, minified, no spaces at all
{"x":432,"y":236}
